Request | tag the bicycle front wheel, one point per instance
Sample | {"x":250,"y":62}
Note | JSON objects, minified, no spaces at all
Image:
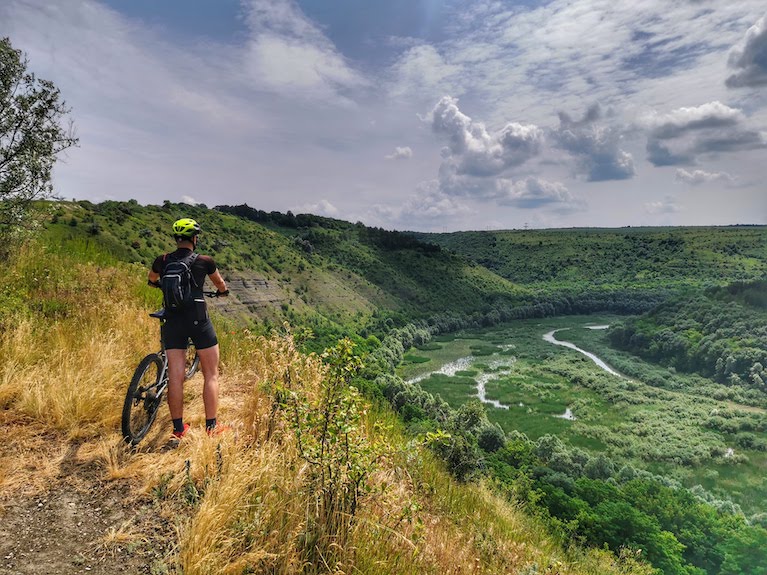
{"x":142,"y":402}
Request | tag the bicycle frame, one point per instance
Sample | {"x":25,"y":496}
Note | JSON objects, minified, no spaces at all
{"x":163,"y":377}
{"x":144,"y":396}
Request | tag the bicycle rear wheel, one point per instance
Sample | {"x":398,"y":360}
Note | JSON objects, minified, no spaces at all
{"x":142,"y":402}
{"x":192,"y":361}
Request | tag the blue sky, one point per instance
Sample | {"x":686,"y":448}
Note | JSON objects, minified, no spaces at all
{"x":414,"y":114}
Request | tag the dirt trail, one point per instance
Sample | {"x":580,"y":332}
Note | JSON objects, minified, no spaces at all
{"x":80,"y":524}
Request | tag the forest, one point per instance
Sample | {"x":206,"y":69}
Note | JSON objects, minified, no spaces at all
{"x":720,"y":332}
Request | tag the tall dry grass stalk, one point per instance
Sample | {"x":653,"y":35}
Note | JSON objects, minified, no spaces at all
{"x":253,"y":508}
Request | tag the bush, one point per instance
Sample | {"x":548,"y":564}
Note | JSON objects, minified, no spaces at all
{"x":491,"y":438}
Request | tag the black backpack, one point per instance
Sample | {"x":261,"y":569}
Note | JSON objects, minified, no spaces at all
{"x":176,"y":282}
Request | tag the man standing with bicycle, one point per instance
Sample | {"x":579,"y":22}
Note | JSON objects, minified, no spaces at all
{"x":181,"y":275}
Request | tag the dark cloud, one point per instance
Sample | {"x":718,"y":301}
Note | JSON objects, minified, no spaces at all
{"x":659,"y":155}
{"x":593,"y":114}
{"x":679,"y":137}
{"x":729,"y":141}
{"x":749,"y":58}
{"x":595,"y":145}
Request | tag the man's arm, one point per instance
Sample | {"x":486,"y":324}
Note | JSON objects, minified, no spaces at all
{"x":219,"y":282}
{"x":153,"y":279}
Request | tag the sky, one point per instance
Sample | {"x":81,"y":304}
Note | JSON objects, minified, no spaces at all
{"x":429,"y":115}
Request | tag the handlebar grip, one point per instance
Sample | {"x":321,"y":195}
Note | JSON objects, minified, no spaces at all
{"x":216,"y":293}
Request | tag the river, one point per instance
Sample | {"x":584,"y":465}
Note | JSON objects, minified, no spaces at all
{"x":500,"y":368}
{"x":551,"y":339}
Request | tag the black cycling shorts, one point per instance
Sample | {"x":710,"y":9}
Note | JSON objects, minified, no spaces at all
{"x":178,"y":330}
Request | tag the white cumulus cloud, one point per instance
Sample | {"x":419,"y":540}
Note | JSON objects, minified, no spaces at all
{"x":666,"y":206}
{"x":321,"y":208}
{"x":682,"y":135}
{"x":697,"y":177}
{"x":473,"y":150}
{"x":534,"y":192}
{"x":683,"y":120}
{"x":401,"y":153}
{"x":428,"y":208}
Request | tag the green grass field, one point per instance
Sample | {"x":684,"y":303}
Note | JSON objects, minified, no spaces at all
{"x":665,"y":429}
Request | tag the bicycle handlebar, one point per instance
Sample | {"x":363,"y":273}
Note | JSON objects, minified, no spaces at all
{"x":205,"y":293}
{"x":161,"y":314}
{"x":215,"y":293}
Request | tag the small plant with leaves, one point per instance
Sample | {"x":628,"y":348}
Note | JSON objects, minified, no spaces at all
{"x":329,"y":425}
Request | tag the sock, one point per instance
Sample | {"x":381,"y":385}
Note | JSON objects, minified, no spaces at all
{"x":178,"y":425}
{"x":210,"y":424}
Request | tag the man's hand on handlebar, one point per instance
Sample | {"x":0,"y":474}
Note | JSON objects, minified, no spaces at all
{"x":217,"y":293}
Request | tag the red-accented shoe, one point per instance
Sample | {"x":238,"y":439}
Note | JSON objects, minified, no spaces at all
{"x":180,"y":434}
{"x":218,"y":430}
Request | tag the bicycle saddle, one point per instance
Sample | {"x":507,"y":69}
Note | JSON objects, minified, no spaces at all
{"x":159,"y":314}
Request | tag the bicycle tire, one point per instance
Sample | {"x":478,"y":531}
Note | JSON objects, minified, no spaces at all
{"x":142,"y":402}
{"x":192,"y":361}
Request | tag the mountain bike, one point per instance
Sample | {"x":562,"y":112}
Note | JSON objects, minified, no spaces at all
{"x":149,"y":384}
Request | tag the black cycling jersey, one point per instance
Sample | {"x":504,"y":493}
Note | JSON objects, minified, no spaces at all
{"x":193,"y":324}
{"x":202,"y":266}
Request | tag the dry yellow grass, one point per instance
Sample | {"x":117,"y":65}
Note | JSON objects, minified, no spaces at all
{"x":241,"y":501}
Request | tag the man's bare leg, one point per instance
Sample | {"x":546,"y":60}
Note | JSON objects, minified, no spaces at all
{"x":209,"y":365}
{"x":176,"y":373}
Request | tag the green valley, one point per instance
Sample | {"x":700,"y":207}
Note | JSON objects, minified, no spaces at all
{"x":667,"y":458}
{"x":669,"y":430}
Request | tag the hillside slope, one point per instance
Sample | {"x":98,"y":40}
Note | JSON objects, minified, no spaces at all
{"x":616,"y":258}
{"x":75,"y":498}
{"x":720,"y":333}
{"x":331,"y":275}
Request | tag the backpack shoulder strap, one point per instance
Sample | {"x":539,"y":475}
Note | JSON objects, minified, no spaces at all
{"x":190,"y":262}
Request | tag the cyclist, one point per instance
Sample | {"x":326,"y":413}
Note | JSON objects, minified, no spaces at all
{"x":194,"y":323}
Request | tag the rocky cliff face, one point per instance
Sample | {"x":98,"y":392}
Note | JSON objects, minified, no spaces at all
{"x":251,"y":294}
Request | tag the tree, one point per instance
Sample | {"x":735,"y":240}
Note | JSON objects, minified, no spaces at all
{"x":31,"y":136}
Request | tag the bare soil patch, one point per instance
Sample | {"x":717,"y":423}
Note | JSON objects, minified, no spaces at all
{"x":75,"y":522}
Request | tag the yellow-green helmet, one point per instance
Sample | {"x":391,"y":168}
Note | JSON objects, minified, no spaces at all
{"x":186,"y":228}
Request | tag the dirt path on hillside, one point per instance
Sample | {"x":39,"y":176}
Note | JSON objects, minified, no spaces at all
{"x":81,"y":524}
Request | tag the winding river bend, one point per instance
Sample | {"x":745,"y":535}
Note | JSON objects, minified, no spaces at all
{"x":551,"y":339}
{"x":501,"y":368}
